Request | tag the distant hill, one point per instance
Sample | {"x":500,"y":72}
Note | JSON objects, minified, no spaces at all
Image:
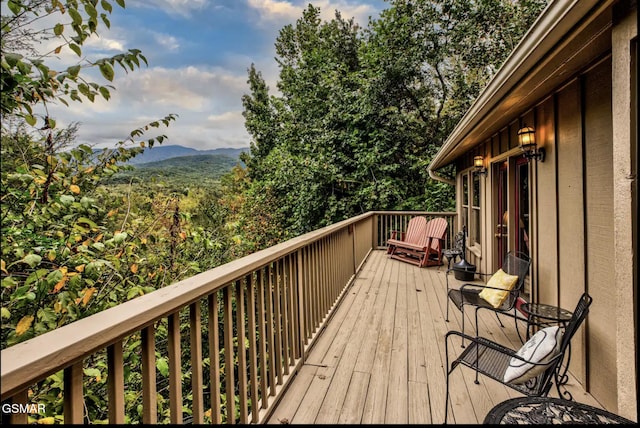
{"x":160,"y":153}
{"x":196,"y":169}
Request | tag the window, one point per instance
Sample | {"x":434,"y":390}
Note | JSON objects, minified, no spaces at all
{"x":471,"y":207}
{"x":476,"y":226}
{"x":465,"y":202}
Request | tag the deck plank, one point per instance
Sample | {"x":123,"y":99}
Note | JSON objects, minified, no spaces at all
{"x":375,"y":404}
{"x":353,"y":407}
{"x":397,"y":391}
{"x":343,"y":355}
{"x":381,"y":357}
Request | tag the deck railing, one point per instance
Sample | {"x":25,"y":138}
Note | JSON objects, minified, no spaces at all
{"x":258,"y":315}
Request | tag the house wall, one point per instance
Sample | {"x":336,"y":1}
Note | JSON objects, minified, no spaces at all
{"x":625,"y":193}
{"x":583,"y":197}
{"x":572,"y":212}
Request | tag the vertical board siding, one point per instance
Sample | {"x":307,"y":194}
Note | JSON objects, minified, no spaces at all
{"x":570,"y":210}
{"x":545,"y":208}
{"x":598,"y":134}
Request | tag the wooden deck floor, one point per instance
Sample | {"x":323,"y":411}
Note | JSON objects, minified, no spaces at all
{"x":381,"y":357}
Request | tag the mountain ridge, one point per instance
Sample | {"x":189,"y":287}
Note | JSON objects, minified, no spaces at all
{"x":161,"y":153}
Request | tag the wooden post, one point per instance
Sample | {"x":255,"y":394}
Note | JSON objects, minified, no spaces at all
{"x":115,"y":383}
{"x":149,"y":393}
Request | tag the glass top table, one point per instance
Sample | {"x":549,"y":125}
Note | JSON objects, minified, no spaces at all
{"x":548,"y":410}
{"x":547,"y":312}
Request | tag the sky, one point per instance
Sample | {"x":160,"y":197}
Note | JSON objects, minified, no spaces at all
{"x":199,"y":52}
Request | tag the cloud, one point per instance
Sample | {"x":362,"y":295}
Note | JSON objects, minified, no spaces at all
{"x":225,"y":119}
{"x":167,"y":41}
{"x":274,"y":10}
{"x":184,"y":8}
{"x":188,"y":88}
{"x":96,"y":43}
{"x":207,"y":100}
{"x":282,"y":11}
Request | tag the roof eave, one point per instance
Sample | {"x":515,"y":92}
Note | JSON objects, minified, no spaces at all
{"x":555,"y":21}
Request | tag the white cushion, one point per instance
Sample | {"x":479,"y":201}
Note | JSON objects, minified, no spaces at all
{"x":542,"y":347}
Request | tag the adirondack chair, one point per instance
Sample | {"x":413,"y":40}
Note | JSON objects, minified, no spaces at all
{"x":436,"y":231}
{"x":413,"y":234}
{"x":422,"y":243}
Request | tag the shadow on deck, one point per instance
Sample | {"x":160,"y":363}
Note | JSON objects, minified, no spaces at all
{"x":381,"y":357}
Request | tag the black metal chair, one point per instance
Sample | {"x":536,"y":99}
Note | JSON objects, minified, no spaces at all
{"x":468,"y":294}
{"x":492,"y":359}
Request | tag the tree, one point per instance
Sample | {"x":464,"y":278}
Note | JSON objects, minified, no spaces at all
{"x":363,"y":111}
{"x":25,"y":78}
{"x":61,"y":248}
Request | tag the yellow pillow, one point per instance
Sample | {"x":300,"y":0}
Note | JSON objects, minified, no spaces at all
{"x":501,"y":280}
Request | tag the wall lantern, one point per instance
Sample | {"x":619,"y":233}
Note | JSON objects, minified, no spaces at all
{"x":527,"y":142}
{"x":478,"y":163}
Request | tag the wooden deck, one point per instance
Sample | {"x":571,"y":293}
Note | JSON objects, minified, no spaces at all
{"x":381,"y":357}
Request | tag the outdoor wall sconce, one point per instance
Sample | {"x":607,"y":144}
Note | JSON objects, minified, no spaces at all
{"x":478,"y":163}
{"x":527,"y":142}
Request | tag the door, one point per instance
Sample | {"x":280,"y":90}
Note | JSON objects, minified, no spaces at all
{"x":522,"y":206}
{"x":501,"y":233}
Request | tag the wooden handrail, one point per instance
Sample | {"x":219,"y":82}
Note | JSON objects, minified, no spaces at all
{"x":290,"y":291}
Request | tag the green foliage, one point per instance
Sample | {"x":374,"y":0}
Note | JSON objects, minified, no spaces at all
{"x":360,"y":114}
{"x":25,"y":77}
{"x":363,"y":111}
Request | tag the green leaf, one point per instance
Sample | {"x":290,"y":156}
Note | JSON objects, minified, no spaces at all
{"x":107,"y":71}
{"x":91,"y":11}
{"x":12,"y":58}
{"x":120,"y":3}
{"x":73,"y":70}
{"x":32,"y":260}
{"x":105,"y":93}
{"x":67,"y":199}
{"x":15,"y":7}
{"x":58,"y":29}
{"x":30,"y":120}
{"x":163,"y":366}
{"x":5,"y":313}
{"x":75,"y":16}
{"x":106,"y":21}
{"x":87,"y":221}
{"x":92,"y":372}
{"x":106,"y":6}
{"x":75,"y":48}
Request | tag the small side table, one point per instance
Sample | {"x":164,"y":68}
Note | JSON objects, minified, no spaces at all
{"x":541,"y":314}
{"x":548,"y":410}
{"x":451,"y":255}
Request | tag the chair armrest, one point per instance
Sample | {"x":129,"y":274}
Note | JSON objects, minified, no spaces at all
{"x":397,"y":234}
{"x":497,"y":347}
{"x":481,"y":287}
